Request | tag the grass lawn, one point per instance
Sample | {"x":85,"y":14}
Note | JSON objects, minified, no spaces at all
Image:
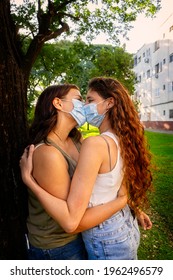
{"x":157,"y":243}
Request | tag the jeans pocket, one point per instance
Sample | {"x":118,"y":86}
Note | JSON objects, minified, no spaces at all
{"x":118,"y":248}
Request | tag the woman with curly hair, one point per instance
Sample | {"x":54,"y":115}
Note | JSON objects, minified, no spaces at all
{"x":119,"y":155}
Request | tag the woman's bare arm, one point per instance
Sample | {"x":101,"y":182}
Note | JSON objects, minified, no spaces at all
{"x":70,"y":213}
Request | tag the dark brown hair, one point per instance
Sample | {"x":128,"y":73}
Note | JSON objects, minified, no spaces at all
{"x":45,"y":116}
{"x":125,"y":122}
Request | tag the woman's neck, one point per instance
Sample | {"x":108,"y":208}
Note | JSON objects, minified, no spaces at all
{"x":105,"y":126}
{"x":60,"y":134}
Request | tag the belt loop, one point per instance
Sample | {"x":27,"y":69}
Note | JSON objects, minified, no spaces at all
{"x":122,"y":210}
{"x":100,"y":225}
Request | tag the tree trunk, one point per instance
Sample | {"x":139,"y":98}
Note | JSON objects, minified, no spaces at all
{"x":13,"y":138}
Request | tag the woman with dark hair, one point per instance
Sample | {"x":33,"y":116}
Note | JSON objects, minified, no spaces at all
{"x":118,"y":156}
{"x":57,"y":141}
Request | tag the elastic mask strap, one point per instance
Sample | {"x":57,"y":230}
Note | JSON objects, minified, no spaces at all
{"x":101,"y":102}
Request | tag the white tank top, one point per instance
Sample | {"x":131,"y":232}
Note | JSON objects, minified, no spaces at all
{"x":107,"y":184}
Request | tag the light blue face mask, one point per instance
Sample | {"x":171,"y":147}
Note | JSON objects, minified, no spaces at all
{"x":78,"y":112}
{"x":92,"y":115}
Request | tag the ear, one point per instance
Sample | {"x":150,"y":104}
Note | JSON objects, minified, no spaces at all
{"x":57,"y":103}
{"x":111,"y":102}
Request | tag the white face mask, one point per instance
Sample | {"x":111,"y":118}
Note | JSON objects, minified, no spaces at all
{"x":92,"y":115}
{"x":77,"y":112}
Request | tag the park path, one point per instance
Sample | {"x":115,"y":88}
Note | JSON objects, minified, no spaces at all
{"x":159,"y":130}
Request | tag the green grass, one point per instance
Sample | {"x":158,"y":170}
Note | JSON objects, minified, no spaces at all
{"x":157,"y":243}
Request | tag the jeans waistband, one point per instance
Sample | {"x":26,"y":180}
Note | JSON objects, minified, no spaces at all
{"x":118,"y":215}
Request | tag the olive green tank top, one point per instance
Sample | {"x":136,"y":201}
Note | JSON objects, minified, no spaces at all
{"x":43,"y":231}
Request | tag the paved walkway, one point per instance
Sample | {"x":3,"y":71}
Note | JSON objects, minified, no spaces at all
{"x":160,"y":131}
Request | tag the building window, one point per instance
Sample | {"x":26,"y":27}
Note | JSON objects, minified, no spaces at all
{"x":164,"y":112}
{"x":139,"y":79}
{"x":171,"y":57}
{"x":171,"y":114}
{"x":135,"y":60}
{"x":164,"y":87}
{"x":139,"y":59}
{"x":164,"y":60}
{"x":144,"y":54}
{"x":148,"y":52}
{"x":146,"y":60}
{"x":156,"y":70}
{"x":148,"y":74}
{"x":156,"y":45}
{"x":136,"y":78}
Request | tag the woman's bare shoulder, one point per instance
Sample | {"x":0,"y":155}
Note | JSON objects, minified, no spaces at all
{"x":95,"y":141}
{"x":47,"y":153}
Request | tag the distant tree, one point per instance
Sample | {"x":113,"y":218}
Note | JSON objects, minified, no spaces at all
{"x":115,"y":62}
{"x":77,"y":62}
{"x":40,"y":21}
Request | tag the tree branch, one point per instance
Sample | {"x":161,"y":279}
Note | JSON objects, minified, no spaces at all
{"x":37,"y":43}
{"x":64,"y":4}
{"x":45,"y":19}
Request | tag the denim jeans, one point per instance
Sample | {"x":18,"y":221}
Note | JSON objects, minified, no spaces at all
{"x":74,"y":250}
{"x":115,"y":239}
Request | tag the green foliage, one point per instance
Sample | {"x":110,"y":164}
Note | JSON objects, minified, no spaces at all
{"x":114,"y":62}
{"x":76,"y":62}
{"x":37,"y":22}
{"x":25,"y":18}
{"x":58,"y":63}
{"x":83,"y":17}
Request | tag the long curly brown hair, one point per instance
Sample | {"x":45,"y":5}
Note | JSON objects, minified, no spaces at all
{"x":46,"y":114}
{"x":125,"y":122}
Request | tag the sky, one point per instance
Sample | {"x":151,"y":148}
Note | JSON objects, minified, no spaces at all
{"x":144,"y":30}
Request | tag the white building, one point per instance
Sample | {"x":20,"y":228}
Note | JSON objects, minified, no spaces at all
{"x":153,"y":66}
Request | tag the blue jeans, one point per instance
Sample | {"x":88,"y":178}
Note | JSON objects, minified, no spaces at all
{"x":115,"y":239}
{"x":74,"y":250}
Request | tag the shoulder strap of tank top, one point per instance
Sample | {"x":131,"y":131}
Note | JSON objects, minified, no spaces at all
{"x":111,"y":135}
{"x":70,"y":161}
{"x":49,"y":142}
{"x":77,"y":145}
{"x":38,"y":145}
{"x":108,"y":151}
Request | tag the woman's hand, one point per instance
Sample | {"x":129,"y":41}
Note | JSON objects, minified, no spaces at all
{"x":26,"y":164}
{"x":143,"y":220}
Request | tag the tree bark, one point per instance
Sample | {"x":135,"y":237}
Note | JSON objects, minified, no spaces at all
{"x":15,"y":67}
{"x":13,"y":138}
